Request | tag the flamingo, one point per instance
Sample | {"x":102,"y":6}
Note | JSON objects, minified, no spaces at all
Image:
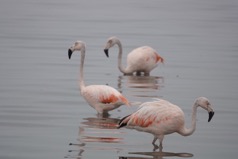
{"x":142,"y":59}
{"x":160,"y":117}
{"x":103,"y":98}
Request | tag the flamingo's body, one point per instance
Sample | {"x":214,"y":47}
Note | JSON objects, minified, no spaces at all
{"x":142,"y":59}
{"x":161,"y":118}
{"x":101,"y":97}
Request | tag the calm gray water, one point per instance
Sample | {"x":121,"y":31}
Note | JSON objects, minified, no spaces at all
{"x":42,"y":112}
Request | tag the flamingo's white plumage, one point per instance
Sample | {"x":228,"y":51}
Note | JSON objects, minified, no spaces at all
{"x":101,"y":97}
{"x":142,"y":59}
{"x":161,"y":117}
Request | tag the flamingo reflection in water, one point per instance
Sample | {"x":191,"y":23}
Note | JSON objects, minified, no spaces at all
{"x":147,"y":82}
{"x":96,"y":130}
{"x":141,"y":86}
{"x":156,"y":155}
{"x":100,"y":130}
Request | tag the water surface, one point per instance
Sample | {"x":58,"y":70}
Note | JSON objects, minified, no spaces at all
{"x":42,"y":114}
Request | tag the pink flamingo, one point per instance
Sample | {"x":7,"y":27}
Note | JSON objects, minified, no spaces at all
{"x":142,"y":59}
{"x":161,"y":118}
{"x":101,"y":97}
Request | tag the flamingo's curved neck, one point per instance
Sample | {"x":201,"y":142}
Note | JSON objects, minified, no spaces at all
{"x":189,"y":131}
{"x":121,"y":68}
{"x":81,"y":79}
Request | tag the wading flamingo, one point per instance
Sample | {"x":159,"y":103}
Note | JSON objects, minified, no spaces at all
{"x":161,"y":118}
{"x":142,"y":59}
{"x":101,"y":97}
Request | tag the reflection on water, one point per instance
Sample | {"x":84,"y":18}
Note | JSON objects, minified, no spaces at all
{"x":150,"y":82}
{"x":41,"y":111}
{"x":96,"y":130}
{"x":99,"y":133}
{"x":78,"y":152}
{"x":157,"y":155}
{"x":100,"y":123}
{"x":141,"y":86}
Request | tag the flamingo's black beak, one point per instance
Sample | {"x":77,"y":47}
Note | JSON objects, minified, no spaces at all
{"x":211,"y":113}
{"x":70,"y":53}
{"x":106,"y":52}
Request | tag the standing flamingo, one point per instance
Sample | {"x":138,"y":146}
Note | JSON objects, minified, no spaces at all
{"x":101,"y":97}
{"x":141,"y":59}
{"x":161,"y":117}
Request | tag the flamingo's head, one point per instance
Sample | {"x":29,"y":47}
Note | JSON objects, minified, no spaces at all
{"x":205,"y":104}
{"x":110,"y":43}
{"x":77,"y":46}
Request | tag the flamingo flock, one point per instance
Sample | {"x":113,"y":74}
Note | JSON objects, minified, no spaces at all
{"x":158,"y":117}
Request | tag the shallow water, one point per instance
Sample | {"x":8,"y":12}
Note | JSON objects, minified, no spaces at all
{"x":42,"y":114}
